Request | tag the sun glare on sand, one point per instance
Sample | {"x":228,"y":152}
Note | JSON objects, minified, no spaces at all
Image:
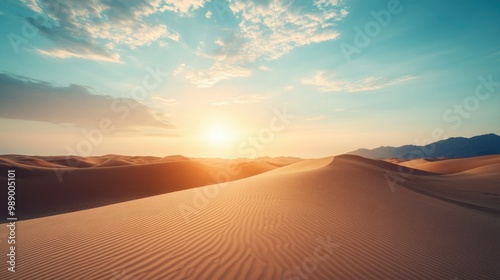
{"x":218,"y":135}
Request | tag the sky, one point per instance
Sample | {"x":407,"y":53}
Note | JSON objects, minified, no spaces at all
{"x":239,"y":79}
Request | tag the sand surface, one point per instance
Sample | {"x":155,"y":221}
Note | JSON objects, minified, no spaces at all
{"x":332,"y":218}
{"x":452,"y":165}
{"x":54,"y":185}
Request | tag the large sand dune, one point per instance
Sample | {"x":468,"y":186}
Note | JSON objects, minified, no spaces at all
{"x":54,"y":185}
{"x":334,"y":218}
{"x":452,"y":165}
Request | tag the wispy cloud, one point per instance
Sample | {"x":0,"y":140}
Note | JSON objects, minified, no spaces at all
{"x":251,"y":98}
{"x":242,"y":99}
{"x":165,"y":101}
{"x":328,"y":84}
{"x":33,"y":4}
{"x":99,"y":29}
{"x":313,"y":118}
{"x":182,"y":6}
{"x":83,"y":53}
{"x":267,"y":30}
{"x":26,"y":99}
{"x":217,"y":72}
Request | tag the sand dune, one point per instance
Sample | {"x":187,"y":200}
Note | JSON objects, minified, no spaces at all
{"x":114,"y":162}
{"x":27,"y":162}
{"x":324,"y":219}
{"x":47,"y":187}
{"x":452,"y":165}
{"x":475,"y":181}
{"x":490,"y":170}
{"x":303,"y":166}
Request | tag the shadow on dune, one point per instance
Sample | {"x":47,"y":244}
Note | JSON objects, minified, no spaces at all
{"x":100,"y":181}
{"x":460,"y":189}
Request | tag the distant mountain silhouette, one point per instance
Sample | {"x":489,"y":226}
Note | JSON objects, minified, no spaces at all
{"x":455,"y":147}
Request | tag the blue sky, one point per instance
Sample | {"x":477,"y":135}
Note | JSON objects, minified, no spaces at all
{"x":201,"y":78}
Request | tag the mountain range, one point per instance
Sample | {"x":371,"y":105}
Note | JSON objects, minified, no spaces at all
{"x":455,"y":147}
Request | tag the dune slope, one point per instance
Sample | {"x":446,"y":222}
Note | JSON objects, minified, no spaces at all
{"x":47,"y":186}
{"x":450,"y":166}
{"x":335,"y":221}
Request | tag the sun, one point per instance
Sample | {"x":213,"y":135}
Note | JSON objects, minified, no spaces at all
{"x":218,"y":135}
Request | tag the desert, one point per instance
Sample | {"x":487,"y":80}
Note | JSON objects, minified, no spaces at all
{"x":330,"y":218}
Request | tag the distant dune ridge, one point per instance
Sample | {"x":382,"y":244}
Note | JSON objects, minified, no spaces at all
{"x":330,"y":218}
{"x":456,"y":147}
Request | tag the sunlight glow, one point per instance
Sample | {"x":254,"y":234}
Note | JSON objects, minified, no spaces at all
{"x":218,"y":135}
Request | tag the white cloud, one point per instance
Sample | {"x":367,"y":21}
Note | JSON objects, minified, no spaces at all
{"x":285,"y":27}
{"x":267,"y":31}
{"x":327,"y":84}
{"x":165,"y":101}
{"x":99,"y":27}
{"x":219,"y":43}
{"x":242,"y":99}
{"x":133,"y":35}
{"x":65,"y":53}
{"x":208,"y":14}
{"x":314,"y":118}
{"x":216,"y":73}
{"x":182,"y":6}
{"x":326,"y":3}
{"x":33,"y":4}
{"x":251,"y":98}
